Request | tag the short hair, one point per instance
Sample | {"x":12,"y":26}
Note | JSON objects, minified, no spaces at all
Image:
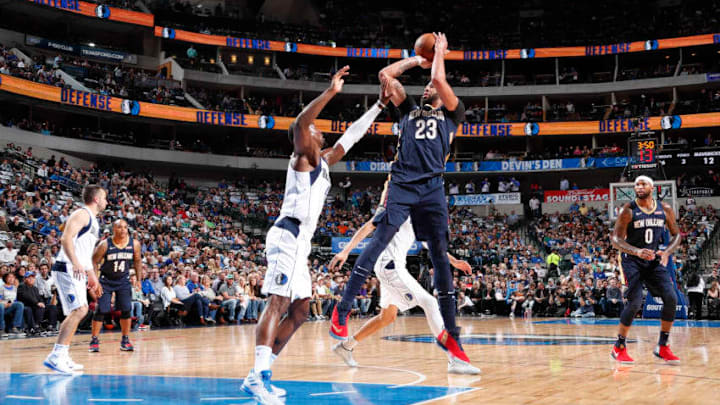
{"x":291,"y":132}
{"x":90,"y":192}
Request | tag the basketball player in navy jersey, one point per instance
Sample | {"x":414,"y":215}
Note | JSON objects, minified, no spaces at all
{"x":637,"y":234}
{"x":113,"y":258}
{"x":287,"y":281}
{"x":416,"y":188}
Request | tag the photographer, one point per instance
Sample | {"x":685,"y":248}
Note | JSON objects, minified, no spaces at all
{"x":586,"y":306}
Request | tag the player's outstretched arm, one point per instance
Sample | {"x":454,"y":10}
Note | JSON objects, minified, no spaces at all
{"x":302,"y":137}
{"x":617,"y":238}
{"x":437,"y":74}
{"x":676,"y":238}
{"x":390,"y":86}
{"x":353,"y":134}
{"x":339,"y":260}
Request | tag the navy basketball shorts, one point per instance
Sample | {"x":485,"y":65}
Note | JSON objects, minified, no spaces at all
{"x":424,"y":202}
{"x":652,"y":274}
{"x":123,"y":295}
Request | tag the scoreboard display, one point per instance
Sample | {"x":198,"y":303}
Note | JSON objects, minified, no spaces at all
{"x":698,"y":157}
{"x":643,"y":153}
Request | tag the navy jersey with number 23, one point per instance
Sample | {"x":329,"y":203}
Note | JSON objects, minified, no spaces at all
{"x":424,"y":144}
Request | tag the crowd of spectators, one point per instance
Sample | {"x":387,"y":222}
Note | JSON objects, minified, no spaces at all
{"x":397,"y":25}
{"x":202,"y":248}
{"x":36,"y":71}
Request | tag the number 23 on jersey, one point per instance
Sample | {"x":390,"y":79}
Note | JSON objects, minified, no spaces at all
{"x":426,"y":129}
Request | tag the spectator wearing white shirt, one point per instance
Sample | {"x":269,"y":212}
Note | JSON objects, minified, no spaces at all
{"x":485,"y":186}
{"x":470,"y":187}
{"x":564,"y":184}
{"x":8,"y":254}
{"x":42,"y":171}
{"x":502,"y":186}
{"x":534,"y":204}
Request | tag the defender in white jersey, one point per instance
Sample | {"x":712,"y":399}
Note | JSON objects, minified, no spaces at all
{"x":74,"y":274}
{"x":287,"y":280}
{"x":399,"y":291}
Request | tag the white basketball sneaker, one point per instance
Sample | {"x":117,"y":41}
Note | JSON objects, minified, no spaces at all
{"x":75,"y":366}
{"x":457,"y":366}
{"x":60,"y":363}
{"x":345,"y":354}
{"x":258,"y":386}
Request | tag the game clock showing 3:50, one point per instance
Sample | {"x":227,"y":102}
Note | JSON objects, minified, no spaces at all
{"x":642,"y":153}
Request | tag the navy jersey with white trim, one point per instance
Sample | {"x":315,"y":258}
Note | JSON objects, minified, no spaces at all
{"x":647,"y":228}
{"x":118,"y":261}
{"x":424,"y":144}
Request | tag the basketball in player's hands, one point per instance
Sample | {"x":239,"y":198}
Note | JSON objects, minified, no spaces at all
{"x":425,"y":46}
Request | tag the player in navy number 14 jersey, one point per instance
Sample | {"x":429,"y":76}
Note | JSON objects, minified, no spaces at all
{"x":113,"y":258}
{"x":416,"y":189}
{"x":637,"y":235}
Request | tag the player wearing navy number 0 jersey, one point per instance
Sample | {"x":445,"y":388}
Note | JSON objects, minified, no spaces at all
{"x":637,"y":235}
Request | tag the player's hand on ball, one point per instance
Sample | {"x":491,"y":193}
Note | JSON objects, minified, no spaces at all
{"x":441,"y":43}
{"x":424,"y":62}
{"x":338,"y":261}
{"x":336,"y":84}
{"x":646,"y":254}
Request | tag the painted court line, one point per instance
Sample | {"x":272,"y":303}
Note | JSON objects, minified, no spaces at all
{"x":223,"y":398}
{"x":24,"y":397}
{"x":115,"y":400}
{"x":321,"y":394}
{"x":454,"y":394}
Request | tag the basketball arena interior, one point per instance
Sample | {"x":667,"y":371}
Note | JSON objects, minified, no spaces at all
{"x":180,"y":129}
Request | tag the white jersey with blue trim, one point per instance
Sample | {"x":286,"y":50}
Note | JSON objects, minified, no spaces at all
{"x":84,"y":243}
{"x":305,"y":194}
{"x":399,"y":245}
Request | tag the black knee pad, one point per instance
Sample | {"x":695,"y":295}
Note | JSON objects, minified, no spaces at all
{"x":98,"y":316}
{"x":669,"y":306}
{"x":125,"y":315}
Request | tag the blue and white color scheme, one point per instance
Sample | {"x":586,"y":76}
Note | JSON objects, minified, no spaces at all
{"x":155,"y":390}
{"x":338,"y":244}
{"x":484,"y":199}
{"x":517,"y":166}
{"x":515,"y":340}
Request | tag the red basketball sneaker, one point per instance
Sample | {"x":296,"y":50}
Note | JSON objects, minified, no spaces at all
{"x":338,"y":331}
{"x":450,"y":345}
{"x":621,"y":355}
{"x":664,"y":352}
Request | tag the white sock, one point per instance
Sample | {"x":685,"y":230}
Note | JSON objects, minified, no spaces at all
{"x":61,"y":349}
{"x":350,"y":343}
{"x":262,"y":358}
{"x":273,"y":357}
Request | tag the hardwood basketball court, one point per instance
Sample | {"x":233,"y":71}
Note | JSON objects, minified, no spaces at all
{"x":539,"y":361}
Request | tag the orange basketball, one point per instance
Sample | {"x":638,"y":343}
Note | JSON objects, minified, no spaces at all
{"x":425,"y":46}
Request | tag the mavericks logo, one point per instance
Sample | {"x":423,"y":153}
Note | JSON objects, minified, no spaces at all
{"x":281,"y":279}
{"x":102,"y":11}
{"x":130,"y":107}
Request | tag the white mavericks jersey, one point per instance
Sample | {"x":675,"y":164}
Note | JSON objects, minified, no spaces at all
{"x":84,"y":243}
{"x":399,"y":245}
{"x":305,"y":194}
